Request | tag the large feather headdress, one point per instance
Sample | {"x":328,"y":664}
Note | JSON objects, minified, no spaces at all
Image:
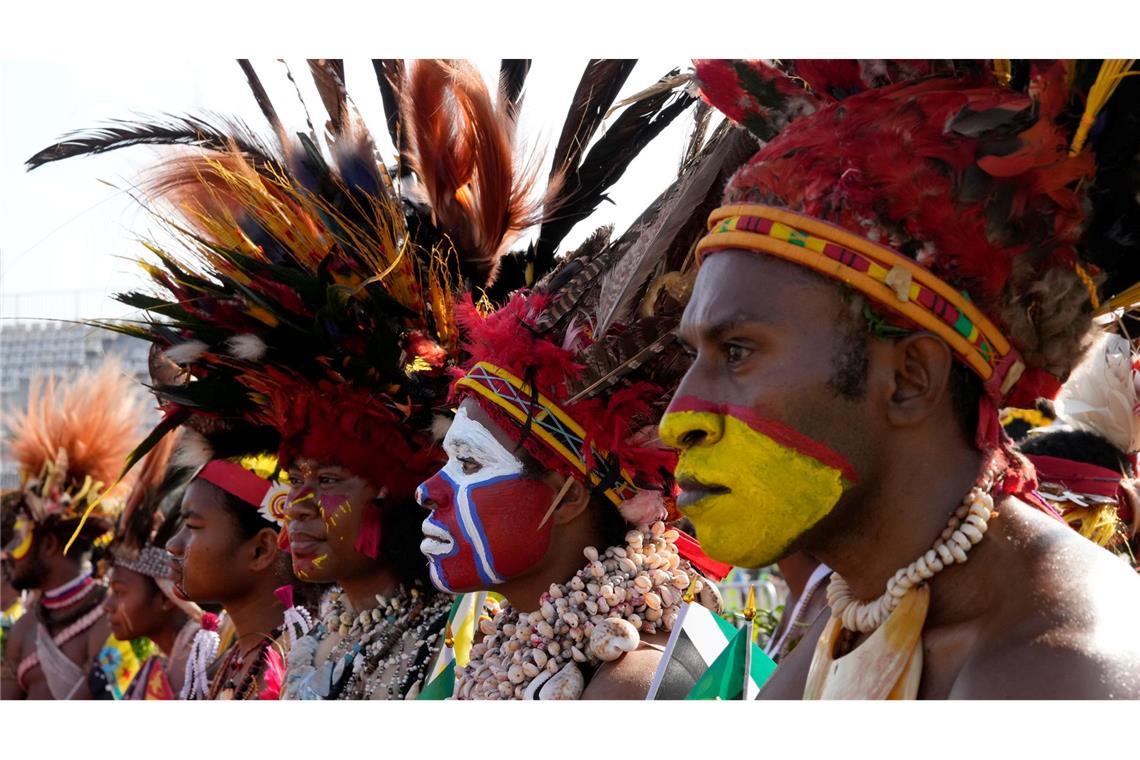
{"x":314,"y":300}
{"x":983,"y":200}
{"x":71,"y":442}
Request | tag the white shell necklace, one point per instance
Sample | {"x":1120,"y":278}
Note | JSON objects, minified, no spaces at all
{"x":964,"y":530}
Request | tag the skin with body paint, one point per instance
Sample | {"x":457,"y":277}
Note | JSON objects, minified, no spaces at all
{"x":489,"y":520}
{"x":755,"y":485}
{"x":22,"y":572}
{"x":764,"y":337}
{"x":324,"y":512}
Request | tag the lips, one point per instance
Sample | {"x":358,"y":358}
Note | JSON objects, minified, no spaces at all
{"x":437,"y":541}
{"x":303,"y":544}
{"x":693,"y":491}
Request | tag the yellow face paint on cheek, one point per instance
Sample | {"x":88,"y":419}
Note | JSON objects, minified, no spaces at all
{"x":22,"y":543}
{"x":779,"y":483}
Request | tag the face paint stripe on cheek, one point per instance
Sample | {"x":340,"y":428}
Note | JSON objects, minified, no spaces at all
{"x":775,"y":493}
{"x":779,"y":432}
{"x":473,"y":531}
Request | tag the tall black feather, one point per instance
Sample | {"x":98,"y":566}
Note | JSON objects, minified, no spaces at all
{"x":163,"y":130}
{"x":512,"y":78}
{"x":263,"y":101}
{"x":390,"y":78}
{"x":605,"y":163}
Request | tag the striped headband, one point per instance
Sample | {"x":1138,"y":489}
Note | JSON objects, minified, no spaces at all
{"x":882,"y":274}
{"x":552,"y":425}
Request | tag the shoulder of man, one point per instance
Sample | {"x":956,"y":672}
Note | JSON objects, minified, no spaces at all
{"x":1080,"y":643}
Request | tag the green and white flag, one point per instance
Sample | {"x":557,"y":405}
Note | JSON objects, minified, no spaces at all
{"x":462,"y":623}
{"x":697,"y":639}
{"x":724,"y":679}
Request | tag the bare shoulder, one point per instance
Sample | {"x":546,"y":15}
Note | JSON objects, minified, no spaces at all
{"x":1071,"y":633}
{"x":628,"y":677}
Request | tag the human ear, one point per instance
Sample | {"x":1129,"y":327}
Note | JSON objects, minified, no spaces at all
{"x":921,"y":364}
{"x":264,"y":546}
{"x":572,"y":497}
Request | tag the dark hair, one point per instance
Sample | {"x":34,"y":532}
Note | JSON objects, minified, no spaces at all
{"x":1078,"y":446}
{"x":851,"y":360}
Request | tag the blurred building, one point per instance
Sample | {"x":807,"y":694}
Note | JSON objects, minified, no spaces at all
{"x":31,"y":348}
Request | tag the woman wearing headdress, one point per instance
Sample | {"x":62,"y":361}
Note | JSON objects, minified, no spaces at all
{"x":556,"y":492}
{"x":320,"y":306}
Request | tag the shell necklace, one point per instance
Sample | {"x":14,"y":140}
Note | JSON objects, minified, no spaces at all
{"x":888,"y":665}
{"x":371,"y":642}
{"x":596,"y":617}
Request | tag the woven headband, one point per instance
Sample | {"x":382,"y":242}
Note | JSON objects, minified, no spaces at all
{"x":553,"y":426}
{"x":882,"y":274}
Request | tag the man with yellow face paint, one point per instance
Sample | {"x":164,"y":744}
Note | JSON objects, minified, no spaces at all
{"x":859,"y":316}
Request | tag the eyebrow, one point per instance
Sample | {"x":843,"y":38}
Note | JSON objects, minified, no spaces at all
{"x":189,"y":513}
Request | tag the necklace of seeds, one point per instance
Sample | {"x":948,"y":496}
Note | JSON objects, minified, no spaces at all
{"x":598,"y":616}
{"x":248,"y":687}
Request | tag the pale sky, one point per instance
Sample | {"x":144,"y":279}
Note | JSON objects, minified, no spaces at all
{"x":63,"y":228}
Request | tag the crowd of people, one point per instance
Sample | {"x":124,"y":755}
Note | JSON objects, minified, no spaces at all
{"x":875,"y":332}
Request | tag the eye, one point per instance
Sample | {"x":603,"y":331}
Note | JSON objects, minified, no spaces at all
{"x":296,"y":480}
{"x":735,"y":354}
{"x":328,"y":480}
{"x":686,"y":349}
{"x":470,"y":466}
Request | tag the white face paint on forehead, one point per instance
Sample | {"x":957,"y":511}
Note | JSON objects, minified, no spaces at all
{"x":468,"y":439}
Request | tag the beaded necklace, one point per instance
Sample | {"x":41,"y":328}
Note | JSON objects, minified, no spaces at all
{"x":70,"y":593}
{"x":388,"y":647}
{"x":596,"y":617}
{"x":224,"y":685}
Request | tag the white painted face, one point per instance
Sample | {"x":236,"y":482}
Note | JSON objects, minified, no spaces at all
{"x":485,"y":522}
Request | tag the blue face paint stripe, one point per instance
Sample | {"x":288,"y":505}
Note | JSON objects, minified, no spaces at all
{"x":463,"y":510}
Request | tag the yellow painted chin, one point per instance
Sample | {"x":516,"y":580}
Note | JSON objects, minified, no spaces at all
{"x":777,"y":494}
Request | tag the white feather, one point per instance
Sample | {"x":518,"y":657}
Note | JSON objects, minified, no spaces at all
{"x":1101,"y":395}
{"x":247,"y":347}
{"x":184,"y":353}
{"x":193,"y":450}
{"x":439,"y":427}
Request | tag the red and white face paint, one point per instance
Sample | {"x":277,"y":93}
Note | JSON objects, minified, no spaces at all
{"x":489,"y":521}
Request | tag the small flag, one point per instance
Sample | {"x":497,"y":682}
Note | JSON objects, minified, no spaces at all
{"x":697,"y":639}
{"x":724,"y":679}
{"x":459,"y":635}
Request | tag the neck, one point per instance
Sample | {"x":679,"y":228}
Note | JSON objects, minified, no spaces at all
{"x":258,"y":612}
{"x":901,"y":514}
{"x":164,"y":638}
{"x":561,"y":562}
{"x":796,"y":569}
{"x":361,"y":590}
{"x":60,"y":574}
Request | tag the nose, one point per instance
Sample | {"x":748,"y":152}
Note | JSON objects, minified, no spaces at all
{"x":177,"y":543}
{"x":302,"y":504}
{"x":685,"y":429}
{"x":431,"y":493}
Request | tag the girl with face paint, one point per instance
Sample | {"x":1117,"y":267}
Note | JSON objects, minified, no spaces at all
{"x":555,"y":492}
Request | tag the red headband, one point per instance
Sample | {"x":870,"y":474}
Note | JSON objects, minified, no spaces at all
{"x":1082,"y":478}
{"x":236,"y":481}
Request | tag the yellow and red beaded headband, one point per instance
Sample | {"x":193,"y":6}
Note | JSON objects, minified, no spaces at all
{"x":875,"y":270}
{"x":553,"y":426}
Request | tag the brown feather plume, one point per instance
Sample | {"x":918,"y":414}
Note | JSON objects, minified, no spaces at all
{"x":460,"y":147}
